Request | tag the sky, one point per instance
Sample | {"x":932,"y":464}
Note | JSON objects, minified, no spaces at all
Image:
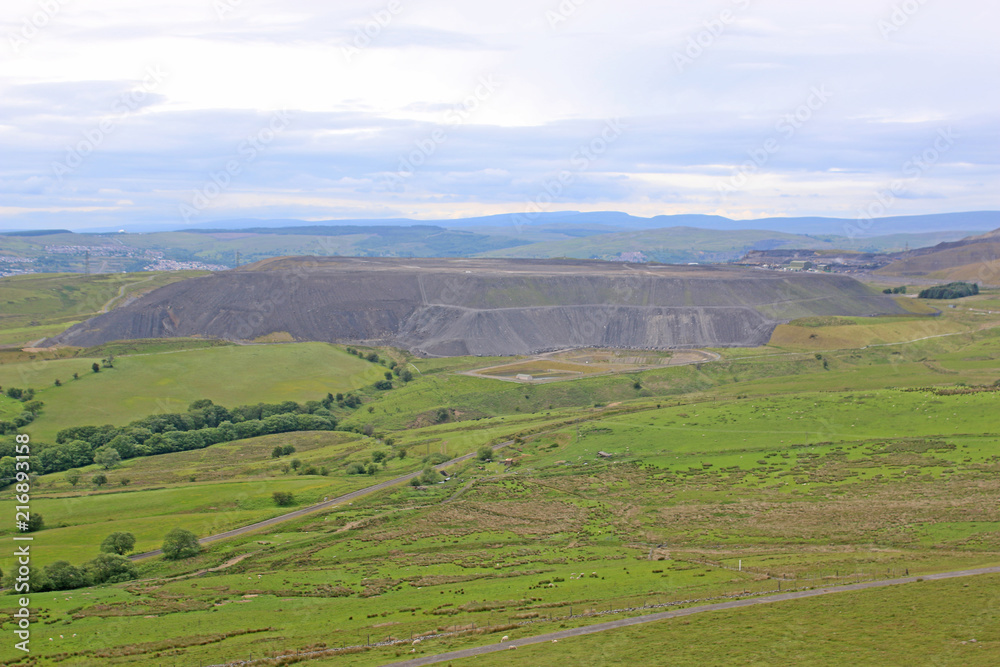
{"x":123,"y":113}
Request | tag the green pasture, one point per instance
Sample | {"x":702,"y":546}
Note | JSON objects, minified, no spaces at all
{"x":34,"y":306}
{"x":726,"y":478}
{"x":142,"y":385}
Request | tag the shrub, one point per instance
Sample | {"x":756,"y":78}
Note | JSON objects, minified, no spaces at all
{"x":109,"y":568}
{"x":283,"y":498}
{"x":35,"y":522}
{"x":63,"y":577}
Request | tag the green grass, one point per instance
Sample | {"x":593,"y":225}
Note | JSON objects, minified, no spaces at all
{"x":34,"y":306}
{"x":806,"y":474}
{"x":143,"y":385}
{"x":932,"y":622}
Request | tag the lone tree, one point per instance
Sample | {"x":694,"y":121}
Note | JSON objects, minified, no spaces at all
{"x":96,"y":367}
{"x":118,"y":543}
{"x":283,"y":498}
{"x":35,"y":522}
{"x":73,"y":477}
{"x":180,"y":543}
{"x":99,"y":480}
{"x":107,"y":457}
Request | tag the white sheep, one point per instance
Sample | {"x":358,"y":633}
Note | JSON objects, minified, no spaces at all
{"x":504,"y":638}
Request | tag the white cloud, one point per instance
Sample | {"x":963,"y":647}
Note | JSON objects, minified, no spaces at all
{"x":356,"y":112}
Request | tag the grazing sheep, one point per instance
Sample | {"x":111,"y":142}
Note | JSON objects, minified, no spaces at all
{"x":415,"y":642}
{"x":504,"y":638}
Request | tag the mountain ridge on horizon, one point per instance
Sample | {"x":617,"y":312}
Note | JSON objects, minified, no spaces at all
{"x":983,"y":221}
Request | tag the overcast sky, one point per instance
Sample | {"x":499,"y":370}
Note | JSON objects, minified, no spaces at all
{"x":118,"y":112}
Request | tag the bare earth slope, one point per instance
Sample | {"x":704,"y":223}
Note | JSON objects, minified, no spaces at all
{"x":484,"y":307}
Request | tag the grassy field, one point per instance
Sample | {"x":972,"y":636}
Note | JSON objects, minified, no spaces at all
{"x":35,"y":306}
{"x":798,"y":465}
{"x":151,"y":383}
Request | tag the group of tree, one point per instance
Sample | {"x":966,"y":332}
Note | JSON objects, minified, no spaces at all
{"x":202,"y":425}
{"x":397,"y":370}
{"x":111,"y":566}
{"x":955,"y":290}
{"x":29,"y":410}
{"x":894,"y":290}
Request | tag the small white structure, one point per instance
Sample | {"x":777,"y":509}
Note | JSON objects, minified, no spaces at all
{"x":523,"y":377}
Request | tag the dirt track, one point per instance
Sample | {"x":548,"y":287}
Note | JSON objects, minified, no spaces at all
{"x":347,"y":497}
{"x":652,"y":618}
{"x":461,"y":307}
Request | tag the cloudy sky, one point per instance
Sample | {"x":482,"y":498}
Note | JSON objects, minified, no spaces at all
{"x":117,"y":112}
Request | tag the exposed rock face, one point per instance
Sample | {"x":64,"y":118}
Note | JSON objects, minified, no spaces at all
{"x":484,"y":307}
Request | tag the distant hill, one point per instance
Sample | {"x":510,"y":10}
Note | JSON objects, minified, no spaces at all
{"x":593,"y":235}
{"x":976,"y":259}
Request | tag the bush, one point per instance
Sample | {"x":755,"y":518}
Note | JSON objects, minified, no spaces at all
{"x":118,"y":543}
{"x":485,"y":453}
{"x":430,"y":476}
{"x":283,"y":498}
{"x":99,"y":480}
{"x":110,"y":569}
{"x":180,"y":543}
{"x":436,"y":458}
{"x":356,"y":469}
{"x":62,"y":576}
{"x":379,"y":456}
{"x":35,"y":522}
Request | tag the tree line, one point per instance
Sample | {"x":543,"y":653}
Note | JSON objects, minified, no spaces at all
{"x":955,"y":290}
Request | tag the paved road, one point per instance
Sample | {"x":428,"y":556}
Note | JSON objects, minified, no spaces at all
{"x":652,"y":618}
{"x":354,"y":495}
